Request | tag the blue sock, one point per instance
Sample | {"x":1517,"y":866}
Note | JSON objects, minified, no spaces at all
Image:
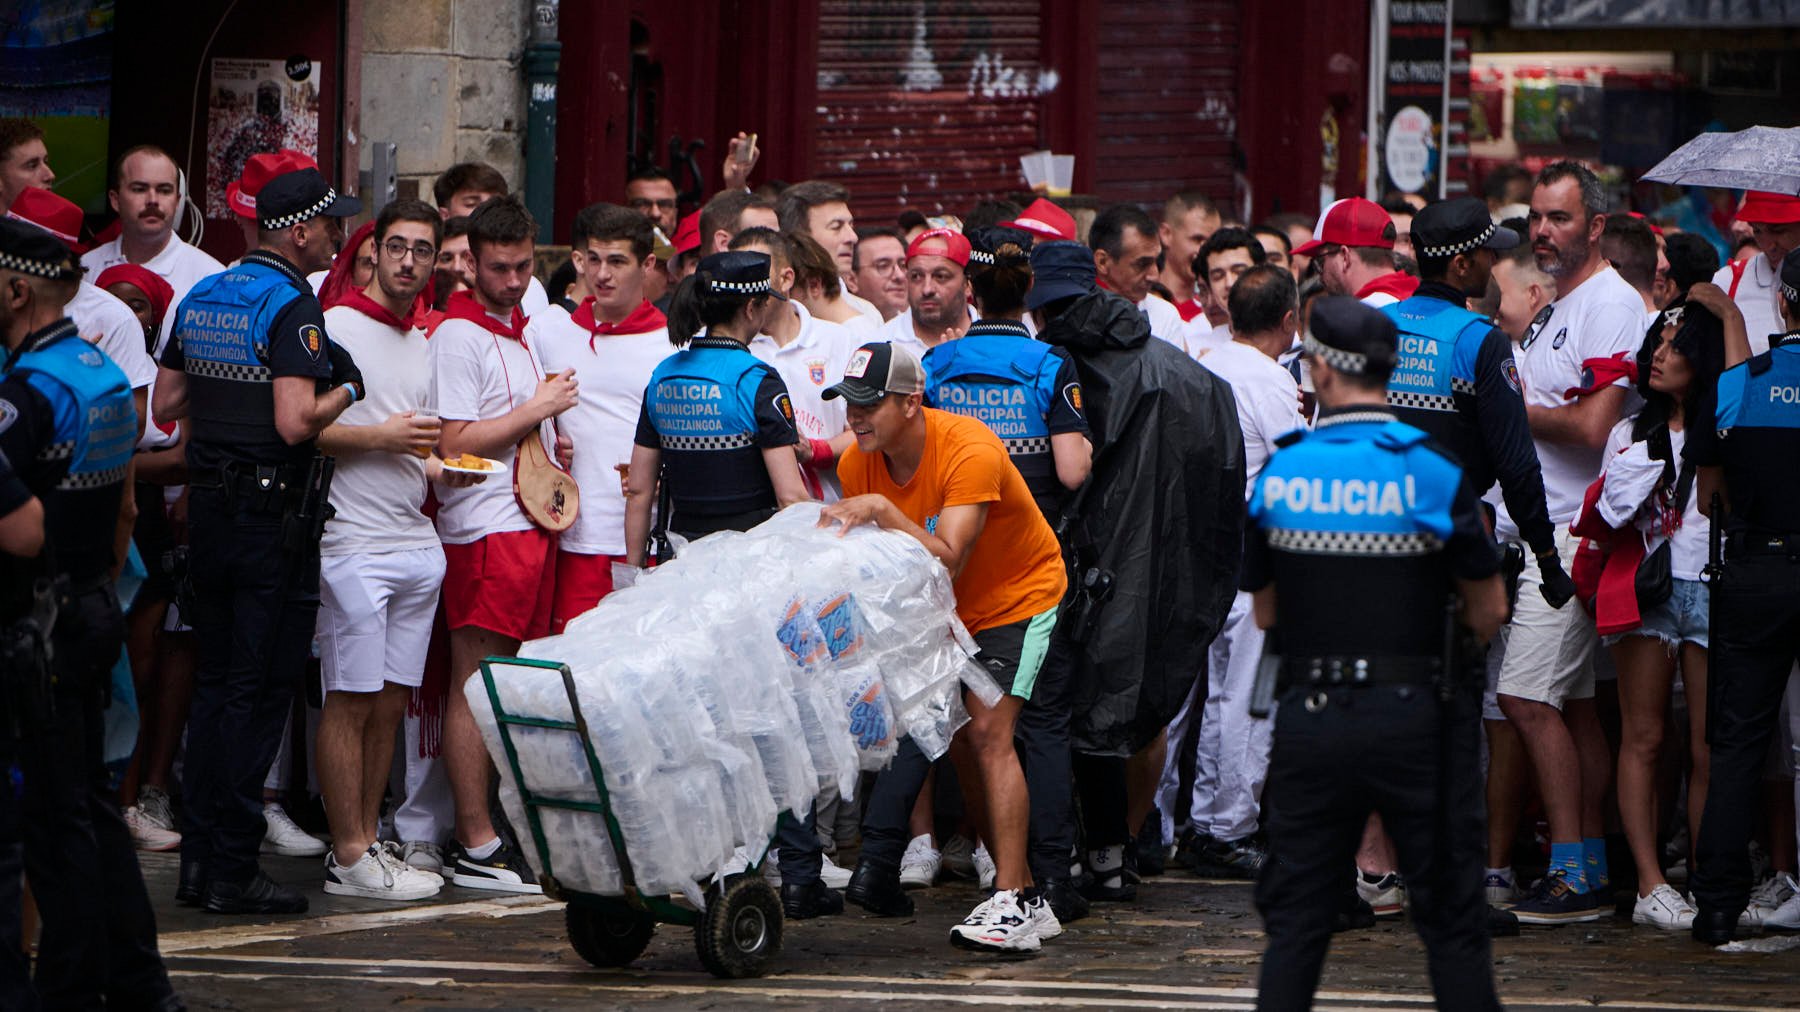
{"x":1568,"y":859}
{"x":1593,"y":853}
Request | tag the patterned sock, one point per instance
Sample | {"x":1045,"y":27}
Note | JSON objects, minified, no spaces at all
{"x":1108,"y":866}
{"x":1568,"y":859}
{"x":1593,"y":853}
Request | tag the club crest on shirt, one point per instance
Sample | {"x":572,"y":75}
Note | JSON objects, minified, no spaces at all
{"x":313,"y":339}
{"x":815,"y":371}
{"x":785,"y":406}
{"x":1561,"y":338}
{"x":9,"y":413}
{"x":1510,"y":372}
{"x":1072,"y":394}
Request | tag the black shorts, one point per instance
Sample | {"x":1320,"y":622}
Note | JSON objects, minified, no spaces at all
{"x":1014,"y":653}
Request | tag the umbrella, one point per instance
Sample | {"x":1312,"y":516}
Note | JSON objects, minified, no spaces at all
{"x":1760,"y":158}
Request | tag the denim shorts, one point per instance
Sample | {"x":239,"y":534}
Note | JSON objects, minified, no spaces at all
{"x":1680,"y":619}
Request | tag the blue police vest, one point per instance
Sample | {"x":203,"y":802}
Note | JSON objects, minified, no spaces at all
{"x":1754,"y":396}
{"x":1001,"y":377}
{"x":1439,"y":344}
{"x":701,"y":402}
{"x":96,"y":422}
{"x":223,"y":326}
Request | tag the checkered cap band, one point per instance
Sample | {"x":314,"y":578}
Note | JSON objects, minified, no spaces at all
{"x":1420,"y":402}
{"x":1337,"y":358}
{"x":1020,"y":447}
{"x":979,"y":257}
{"x":228,"y":371}
{"x":1789,"y":292}
{"x":732,"y":442}
{"x":297,"y":217}
{"x":741,"y":287}
{"x":92,"y":479}
{"x":1445,"y":252}
{"x":39,"y":268}
{"x":1362,"y":543}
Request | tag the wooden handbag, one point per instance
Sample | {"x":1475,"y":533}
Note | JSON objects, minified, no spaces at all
{"x":547,"y":493}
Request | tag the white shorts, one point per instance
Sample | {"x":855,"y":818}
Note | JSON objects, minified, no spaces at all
{"x":1549,"y":651}
{"x":375,"y":613}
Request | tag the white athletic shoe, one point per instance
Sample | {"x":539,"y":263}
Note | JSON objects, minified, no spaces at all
{"x":1664,"y":908}
{"x":1043,"y":919}
{"x":998,"y":924}
{"x":1765,"y":899}
{"x":1385,"y":893}
{"x":830,"y":874}
{"x":285,"y":837}
{"x":919,"y":865}
{"x":146,"y":834}
{"x":423,"y":856}
{"x":959,"y":857}
{"x":984,"y":868}
{"x":1500,"y":888}
{"x":153,"y":804}
{"x":378,"y":875}
{"x":1785,"y":917}
{"x":397,"y":855}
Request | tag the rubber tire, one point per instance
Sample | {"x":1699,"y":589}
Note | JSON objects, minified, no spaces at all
{"x":608,"y":935}
{"x":740,"y":932}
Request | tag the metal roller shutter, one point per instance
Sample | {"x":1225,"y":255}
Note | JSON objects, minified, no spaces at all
{"x":926,"y":104}
{"x":1168,"y":98}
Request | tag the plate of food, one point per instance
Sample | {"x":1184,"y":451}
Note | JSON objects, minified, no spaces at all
{"x":469,"y":463}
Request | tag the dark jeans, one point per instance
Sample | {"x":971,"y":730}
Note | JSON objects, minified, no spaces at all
{"x":1755,"y":640}
{"x":887,"y":809}
{"x":1375,"y":749}
{"x":254,"y":614}
{"x":1042,"y":732}
{"x":99,"y":933}
{"x":799,"y":859}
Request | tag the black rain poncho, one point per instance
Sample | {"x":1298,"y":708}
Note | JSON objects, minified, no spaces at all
{"x":1163,"y":513}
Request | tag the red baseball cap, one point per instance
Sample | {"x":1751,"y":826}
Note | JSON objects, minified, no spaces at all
{"x":1769,"y":208}
{"x":1043,"y":218}
{"x":241,"y":194}
{"x":941,"y":242}
{"x":1353,"y":221}
{"x":55,"y":215}
{"x":687,"y":234}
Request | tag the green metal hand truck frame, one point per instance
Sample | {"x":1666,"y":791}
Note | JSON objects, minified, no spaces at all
{"x":738,"y":933}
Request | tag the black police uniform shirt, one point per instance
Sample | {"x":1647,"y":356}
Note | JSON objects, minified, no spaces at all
{"x":68,"y":424}
{"x":1755,"y":436}
{"x":1457,"y":381}
{"x":1363,"y":527}
{"x":234,"y":334}
{"x":1023,"y":390}
{"x":711,"y":409}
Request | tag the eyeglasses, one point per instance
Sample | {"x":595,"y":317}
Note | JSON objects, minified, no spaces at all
{"x":397,"y":250}
{"x":639,"y":203}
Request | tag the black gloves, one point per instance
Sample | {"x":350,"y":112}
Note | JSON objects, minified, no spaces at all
{"x":344,"y":371}
{"x":1557,"y":587}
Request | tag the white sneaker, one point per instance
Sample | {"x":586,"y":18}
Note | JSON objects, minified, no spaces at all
{"x":959,"y":857}
{"x":984,"y":867}
{"x":153,"y":804}
{"x":830,"y":874}
{"x":998,"y":924}
{"x":919,"y":865}
{"x":1785,"y":917}
{"x":379,"y":875}
{"x":1774,"y":891}
{"x":146,"y":834}
{"x":1499,"y":887}
{"x":1043,"y":919}
{"x":397,"y":855}
{"x":283,"y":836}
{"x":423,"y":856}
{"x":1385,"y":894}
{"x":1664,"y":908}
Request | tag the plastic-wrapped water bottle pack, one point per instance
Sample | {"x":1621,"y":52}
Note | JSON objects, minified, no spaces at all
{"x":726,"y":687}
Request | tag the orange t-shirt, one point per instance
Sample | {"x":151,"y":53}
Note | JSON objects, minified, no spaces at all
{"x":1015,"y":570}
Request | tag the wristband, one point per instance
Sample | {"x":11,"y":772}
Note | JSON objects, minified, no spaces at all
{"x":821,"y":452}
{"x":354,"y":388}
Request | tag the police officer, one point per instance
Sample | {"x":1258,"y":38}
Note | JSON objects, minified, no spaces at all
{"x":1455,"y":378}
{"x":67,"y":420}
{"x":718,"y":428}
{"x":1376,"y":712}
{"x":249,"y":366}
{"x":1749,"y":449}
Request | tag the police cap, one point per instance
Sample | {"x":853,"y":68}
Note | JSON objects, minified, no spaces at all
{"x":740,"y":272}
{"x":1449,"y":227}
{"x":986,"y":240}
{"x":1351,"y":337}
{"x":1790,"y":276}
{"x":301,"y":195}
{"x":28,"y":249}
{"x":1059,"y":269}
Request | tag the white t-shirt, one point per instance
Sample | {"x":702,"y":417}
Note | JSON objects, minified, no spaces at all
{"x":1165,"y":321}
{"x":1602,"y":317}
{"x":1376,"y":300}
{"x":613,"y":371}
{"x":380,"y":497}
{"x":536,"y":300}
{"x":1268,"y":401}
{"x":1202,"y":338}
{"x":863,"y":306}
{"x":809,"y":364}
{"x":1756,"y":299}
{"x":1631,"y":477}
{"x":899,"y":331}
{"x":477,"y":375}
{"x":180,"y":264}
{"x":109,"y":323}
{"x":863,"y":329}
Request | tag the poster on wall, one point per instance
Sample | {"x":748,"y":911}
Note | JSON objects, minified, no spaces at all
{"x":255,"y":106}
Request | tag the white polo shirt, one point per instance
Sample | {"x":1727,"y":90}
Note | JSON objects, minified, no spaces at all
{"x":478,"y":375}
{"x":109,"y":323}
{"x":379,"y":498}
{"x":1756,"y":297}
{"x":809,"y":364}
{"x":863,"y":306}
{"x":1165,"y":321}
{"x":1268,"y":401}
{"x":613,"y":371}
{"x":180,"y":264}
{"x":899,"y":331}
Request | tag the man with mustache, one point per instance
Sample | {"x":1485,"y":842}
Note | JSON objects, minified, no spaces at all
{"x":147,"y":194}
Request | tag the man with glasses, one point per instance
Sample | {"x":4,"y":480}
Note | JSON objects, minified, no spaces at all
{"x":651,"y":193}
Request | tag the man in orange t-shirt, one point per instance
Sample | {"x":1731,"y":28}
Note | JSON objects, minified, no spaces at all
{"x":946,"y":480}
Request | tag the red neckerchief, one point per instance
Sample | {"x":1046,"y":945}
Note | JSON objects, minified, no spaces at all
{"x":1399,"y":285}
{"x":463,"y":306}
{"x":1189,"y":308}
{"x":642,"y":320}
{"x":359,"y":300}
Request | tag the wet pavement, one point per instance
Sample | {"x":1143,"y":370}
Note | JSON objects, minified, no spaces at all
{"x":1186,"y":944}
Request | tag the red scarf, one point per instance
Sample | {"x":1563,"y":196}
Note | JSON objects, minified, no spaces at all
{"x":1399,"y":285}
{"x":642,"y":320}
{"x":463,"y":306}
{"x":359,"y":300}
{"x":1189,"y":308}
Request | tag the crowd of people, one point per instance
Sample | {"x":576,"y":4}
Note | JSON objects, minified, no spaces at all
{"x":356,"y":455}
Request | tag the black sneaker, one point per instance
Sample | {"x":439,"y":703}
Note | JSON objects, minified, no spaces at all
{"x":1067,"y":901}
{"x":1354,"y":915}
{"x":1554,"y":901}
{"x":191,"y":891}
{"x":503,"y":871}
{"x":1233,"y":859}
{"x":802,"y":901}
{"x":1151,"y":856}
{"x":1095,"y":889}
{"x":1190,"y":847}
{"x":878,"y":892}
{"x":260,"y":895}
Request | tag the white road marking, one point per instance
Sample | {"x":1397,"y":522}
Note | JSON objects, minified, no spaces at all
{"x":246,"y":934}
